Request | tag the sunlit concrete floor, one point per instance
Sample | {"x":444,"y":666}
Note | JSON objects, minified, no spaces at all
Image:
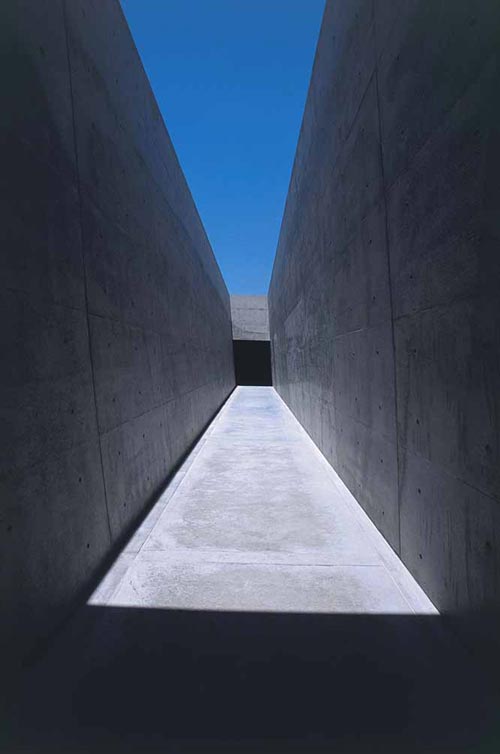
{"x":255,"y":610}
{"x":257,"y":520}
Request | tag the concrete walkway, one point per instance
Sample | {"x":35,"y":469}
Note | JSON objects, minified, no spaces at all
{"x":255,"y":610}
{"x":257,"y":520}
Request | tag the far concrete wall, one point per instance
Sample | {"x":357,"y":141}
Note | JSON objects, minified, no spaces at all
{"x":250,"y":317}
{"x":116,"y":326}
{"x":385,"y":322}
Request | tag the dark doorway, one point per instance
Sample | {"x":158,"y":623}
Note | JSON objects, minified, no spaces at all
{"x":252,"y":362}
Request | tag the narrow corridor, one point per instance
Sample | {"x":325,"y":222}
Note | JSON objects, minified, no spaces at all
{"x":256,"y":609}
{"x":257,"y":520}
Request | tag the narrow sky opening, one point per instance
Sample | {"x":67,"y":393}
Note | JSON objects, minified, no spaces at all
{"x":231,"y":78}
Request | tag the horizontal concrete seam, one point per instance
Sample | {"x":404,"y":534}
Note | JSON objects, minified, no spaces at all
{"x":441,"y":469}
{"x":175,"y":213}
{"x":307,"y":274}
{"x":105,"y":432}
{"x":14,"y":471}
{"x":471,"y":82}
{"x":89,"y":197}
{"x":268,"y":563}
{"x":378,"y":322}
{"x":140,"y":326}
{"x":45,"y":300}
{"x":161,"y":333}
{"x":460,"y":299}
{"x":357,"y":420}
{"x":353,"y":332}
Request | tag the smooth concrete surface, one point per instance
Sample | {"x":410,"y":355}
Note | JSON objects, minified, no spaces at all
{"x":256,"y":609}
{"x":259,"y":521}
{"x":250,"y":317}
{"x":383,"y":302}
{"x":115,"y":321}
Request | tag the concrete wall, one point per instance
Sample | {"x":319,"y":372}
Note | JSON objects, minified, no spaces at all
{"x":385,"y":322}
{"x":250,"y":317}
{"x":115,"y":325}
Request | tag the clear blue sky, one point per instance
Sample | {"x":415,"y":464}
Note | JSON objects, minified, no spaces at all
{"x":231,"y":78}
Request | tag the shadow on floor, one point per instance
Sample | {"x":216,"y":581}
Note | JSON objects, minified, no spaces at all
{"x":145,"y":680}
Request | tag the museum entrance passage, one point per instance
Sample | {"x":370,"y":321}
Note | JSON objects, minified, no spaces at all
{"x":252,"y":362}
{"x":256,"y":609}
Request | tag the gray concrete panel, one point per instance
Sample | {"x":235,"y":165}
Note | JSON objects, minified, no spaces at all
{"x":129,"y":106}
{"x":162,"y":328}
{"x":367,"y":464}
{"x":54,"y":534}
{"x":41,"y":217}
{"x":361,"y":277}
{"x":135,"y":456}
{"x":127,"y":280}
{"x":450,"y":539}
{"x":332,"y":349}
{"x":433,"y":530}
{"x":357,"y":181}
{"x":350,"y":51}
{"x":116,"y":326}
{"x":250,"y":317}
{"x":443,"y":228}
{"x":363,"y":371}
{"x":384,"y":296}
{"x":133,"y":370}
{"x":36,"y":88}
{"x":448,"y":389}
{"x":420,"y":84}
{"x":54,"y":538}
{"x":46,"y":381}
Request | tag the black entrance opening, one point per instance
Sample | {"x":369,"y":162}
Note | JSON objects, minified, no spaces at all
{"x":252,"y":362}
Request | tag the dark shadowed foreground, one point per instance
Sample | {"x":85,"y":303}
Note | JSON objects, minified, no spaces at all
{"x":258,"y":610}
{"x":146,"y":680}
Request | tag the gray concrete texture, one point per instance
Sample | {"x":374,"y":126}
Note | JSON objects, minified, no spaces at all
{"x":384,"y":315}
{"x":257,"y":520}
{"x":257,"y":609}
{"x":116,"y":327}
{"x":250,"y":317}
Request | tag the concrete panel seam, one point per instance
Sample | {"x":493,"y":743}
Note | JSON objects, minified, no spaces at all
{"x":391,"y":307}
{"x":459,"y":299}
{"x":59,"y":304}
{"x":132,"y":324}
{"x":174,"y":399}
{"x":447,"y":473}
{"x":445,"y":116}
{"x":194,"y":256}
{"x":92,"y":371}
